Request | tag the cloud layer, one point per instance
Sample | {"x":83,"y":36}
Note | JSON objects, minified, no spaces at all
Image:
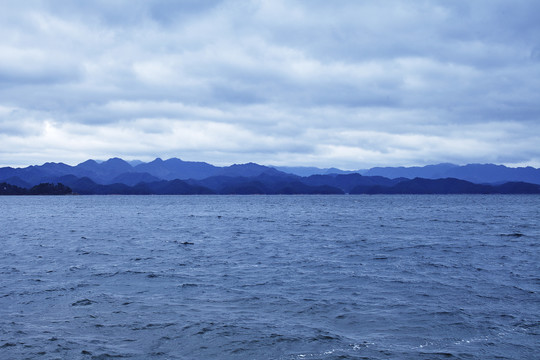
{"x":351,"y":84}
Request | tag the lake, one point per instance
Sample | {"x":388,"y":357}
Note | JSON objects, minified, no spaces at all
{"x":270,"y":277}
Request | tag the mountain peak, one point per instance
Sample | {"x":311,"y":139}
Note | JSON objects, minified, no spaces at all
{"x":116,"y":160}
{"x":89,"y":162}
{"x":174,"y":161}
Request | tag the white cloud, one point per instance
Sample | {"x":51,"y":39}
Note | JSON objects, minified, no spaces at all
{"x":348,"y":83}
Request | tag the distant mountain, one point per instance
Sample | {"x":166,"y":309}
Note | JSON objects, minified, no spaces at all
{"x":116,"y":170}
{"x":86,"y":186}
{"x":134,"y":178}
{"x":274,"y":184}
{"x":262,"y":184}
{"x":349,"y":181}
{"x":428,"y":172}
{"x":248,"y":170}
{"x":265,"y":183}
{"x":33,"y":175}
{"x":518,"y":187}
{"x":177,"y":169}
{"x":428,"y":186}
{"x":40,"y":189}
{"x":14,"y":180}
{"x":308,"y":171}
{"x":116,"y":176}
{"x":103,"y":172}
{"x":99,"y":172}
{"x":489,"y":173}
{"x":476,"y":173}
{"x":135,"y":162}
{"x":173,"y":187}
{"x":448,"y":186}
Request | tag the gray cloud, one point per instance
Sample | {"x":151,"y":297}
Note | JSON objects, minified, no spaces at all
{"x":346,"y":83}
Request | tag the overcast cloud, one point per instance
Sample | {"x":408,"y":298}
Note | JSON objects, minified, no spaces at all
{"x":351,"y":84}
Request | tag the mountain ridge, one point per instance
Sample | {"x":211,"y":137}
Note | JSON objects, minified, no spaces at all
{"x":176,"y":176}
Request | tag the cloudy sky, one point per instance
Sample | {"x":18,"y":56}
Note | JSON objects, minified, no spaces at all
{"x":351,"y":84}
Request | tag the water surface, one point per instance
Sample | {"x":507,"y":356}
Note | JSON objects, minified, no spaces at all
{"x":270,"y":277}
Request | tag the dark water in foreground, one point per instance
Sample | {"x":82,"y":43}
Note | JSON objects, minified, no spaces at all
{"x":270,"y":277}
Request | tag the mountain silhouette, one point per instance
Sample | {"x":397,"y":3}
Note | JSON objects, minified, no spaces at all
{"x":476,"y":173}
{"x":177,"y":169}
{"x":175,"y":176}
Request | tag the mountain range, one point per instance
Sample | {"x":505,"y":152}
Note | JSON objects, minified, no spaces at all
{"x":175,"y":176}
{"x":476,"y":173}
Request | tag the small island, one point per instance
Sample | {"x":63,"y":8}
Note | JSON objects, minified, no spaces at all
{"x":40,"y":189}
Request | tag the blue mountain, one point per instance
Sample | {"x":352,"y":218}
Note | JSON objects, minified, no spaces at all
{"x":427,"y":172}
{"x":177,"y":169}
{"x":348,"y":182}
{"x":264,"y":183}
{"x":104,"y":172}
{"x":118,"y":176}
{"x":448,"y":186}
{"x":248,"y":170}
{"x":134,"y":178}
{"x":476,"y":173}
{"x":310,"y":170}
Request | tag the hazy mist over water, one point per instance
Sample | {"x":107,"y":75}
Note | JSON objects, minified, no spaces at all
{"x":270,"y":277}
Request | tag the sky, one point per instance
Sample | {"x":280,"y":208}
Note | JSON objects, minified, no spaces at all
{"x":348,"y":84}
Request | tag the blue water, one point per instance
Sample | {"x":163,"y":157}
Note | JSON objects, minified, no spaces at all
{"x":270,"y":277}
